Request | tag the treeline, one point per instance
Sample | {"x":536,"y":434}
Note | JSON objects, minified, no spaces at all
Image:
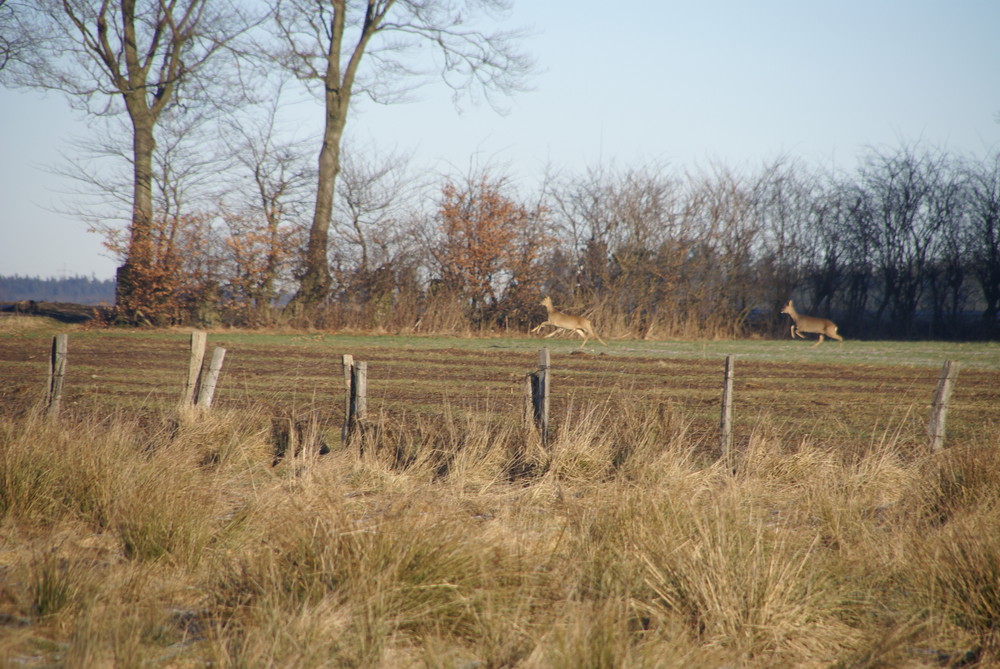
{"x":75,"y":289}
{"x":906,"y":245}
{"x":220,"y":212}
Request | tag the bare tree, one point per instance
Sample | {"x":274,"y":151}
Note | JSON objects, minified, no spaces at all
{"x":264,"y":204}
{"x":784,"y":205}
{"x":946,"y":267}
{"x":148,"y":55}
{"x":373,"y":257}
{"x":184,"y":173}
{"x":854,"y":219}
{"x":373,"y":192}
{"x":823,"y":247}
{"x":899,"y":191}
{"x":984,"y":230}
{"x":324,"y":44}
{"x":585,"y":220}
{"x":723,"y":204}
{"x":623,"y":224}
{"x":15,"y":31}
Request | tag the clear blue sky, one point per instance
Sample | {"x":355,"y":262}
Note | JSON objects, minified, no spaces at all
{"x":678,"y":82}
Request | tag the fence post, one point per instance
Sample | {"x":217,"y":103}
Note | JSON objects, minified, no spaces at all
{"x":198,"y":341}
{"x":726,"y":422}
{"x":529,"y":399}
{"x":538,"y":389}
{"x":57,"y":371}
{"x":207,"y":390}
{"x":360,"y":391}
{"x":347,"y":360}
{"x":356,"y":395}
{"x":939,"y":408}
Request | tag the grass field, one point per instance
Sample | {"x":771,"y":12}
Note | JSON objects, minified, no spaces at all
{"x":447,"y":536}
{"x":841,"y":394}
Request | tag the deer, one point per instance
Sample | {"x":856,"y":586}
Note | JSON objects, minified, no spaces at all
{"x":562,"y":321}
{"x":811,"y":324}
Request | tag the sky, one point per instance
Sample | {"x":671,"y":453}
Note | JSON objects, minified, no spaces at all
{"x":686,"y":84}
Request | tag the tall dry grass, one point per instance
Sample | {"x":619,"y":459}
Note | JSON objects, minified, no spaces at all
{"x":458,"y":540}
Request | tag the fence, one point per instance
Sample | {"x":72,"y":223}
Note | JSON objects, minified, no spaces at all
{"x":201,"y":383}
{"x":199,"y":388}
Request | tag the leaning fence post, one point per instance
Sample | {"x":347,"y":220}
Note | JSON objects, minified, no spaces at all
{"x":939,"y":408}
{"x":207,"y":389}
{"x":198,"y":341}
{"x":538,"y":387}
{"x":57,"y":371}
{"x":726,"y":422}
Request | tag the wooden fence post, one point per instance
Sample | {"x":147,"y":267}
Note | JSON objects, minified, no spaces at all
{"x":198,"y":341}
{"x":538,"y":394}
{"x":530,"y":404}
{"x":57,"y":371}
{"x":356,"y":395}
{"x":726,"y":422}
{"x":207,"y":390}
{"x":347,"y":360}
{"x":360,"y":391}
{"x":939,"y":407}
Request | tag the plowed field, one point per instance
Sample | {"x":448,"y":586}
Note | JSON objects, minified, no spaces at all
{"x":829,"y":396}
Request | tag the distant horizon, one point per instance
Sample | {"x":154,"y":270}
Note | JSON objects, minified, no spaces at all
{"x":89,"y":291}
{"x":38,"y":277}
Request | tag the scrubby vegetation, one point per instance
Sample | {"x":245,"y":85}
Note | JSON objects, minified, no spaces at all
{"x":906,"y":246}
{"x":450,"y":541}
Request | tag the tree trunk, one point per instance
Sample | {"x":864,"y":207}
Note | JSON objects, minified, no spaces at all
{"x":315,"y":282}
{"x":132,"y":275}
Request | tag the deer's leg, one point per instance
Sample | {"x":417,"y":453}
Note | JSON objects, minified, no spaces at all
{"x":818,"y":341}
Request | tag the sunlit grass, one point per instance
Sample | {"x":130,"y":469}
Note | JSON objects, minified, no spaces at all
{"x":448,"y":535}
{"x":455,"y":540}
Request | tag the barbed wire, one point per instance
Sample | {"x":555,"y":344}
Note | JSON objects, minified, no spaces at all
{"x":697,"y":385}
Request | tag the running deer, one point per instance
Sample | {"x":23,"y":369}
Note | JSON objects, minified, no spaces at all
{"x":562,"y":321}
{"x":811,"y":324}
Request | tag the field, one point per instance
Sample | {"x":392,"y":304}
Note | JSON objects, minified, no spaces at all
{"x":447,"y":535}
{"x":844,"y":394}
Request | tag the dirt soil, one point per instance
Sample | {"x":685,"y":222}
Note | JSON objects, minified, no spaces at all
{"x":111,"y":371}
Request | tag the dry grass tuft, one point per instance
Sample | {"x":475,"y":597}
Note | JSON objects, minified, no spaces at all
{"x":458,"y":540}
{"x":12,"y":323}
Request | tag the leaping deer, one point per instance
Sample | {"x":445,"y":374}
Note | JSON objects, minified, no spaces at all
{"x":562,"y":321}
{"x":811,"y":324}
